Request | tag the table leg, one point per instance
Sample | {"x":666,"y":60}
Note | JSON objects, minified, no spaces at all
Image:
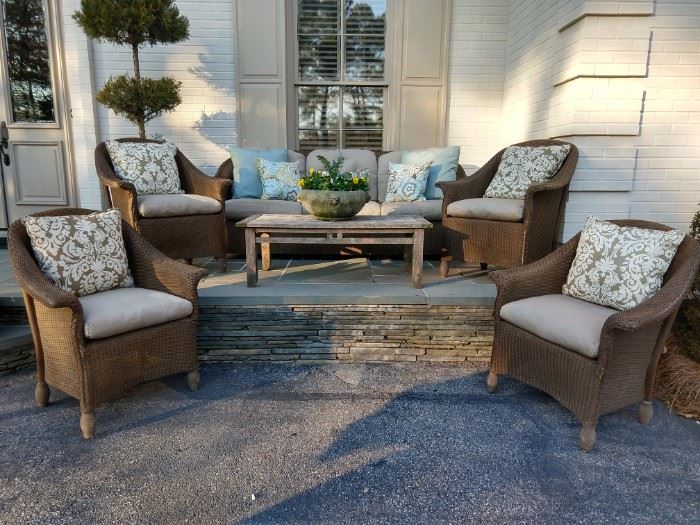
{"x":251,"y":257}
{"x":265,"y":252}
{"x":417,"y":273}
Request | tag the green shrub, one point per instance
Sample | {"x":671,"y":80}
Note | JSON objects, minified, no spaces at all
{"x":135,"y":23}
{"x":688,"y":325}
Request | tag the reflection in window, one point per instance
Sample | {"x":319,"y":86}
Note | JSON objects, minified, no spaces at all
{"x":340,"y":46}
{"x":28,"y":61}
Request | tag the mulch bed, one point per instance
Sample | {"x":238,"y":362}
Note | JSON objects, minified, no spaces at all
{"x":678,"y":381}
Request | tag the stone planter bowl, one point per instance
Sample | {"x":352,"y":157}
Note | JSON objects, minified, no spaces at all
{"x":333,"y":205}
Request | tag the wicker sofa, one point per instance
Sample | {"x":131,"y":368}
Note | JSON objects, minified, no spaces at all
{"x":377,"y":165}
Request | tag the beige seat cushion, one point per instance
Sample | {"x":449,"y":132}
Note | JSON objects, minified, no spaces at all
{"x":175,"y":205}
{"x":430,"y":210}
{"x":242,"y":208}
{"x":560,"y":319}
{"x":488,"y":209}
{"x":355,"y":160}
{"x":127,"y":309}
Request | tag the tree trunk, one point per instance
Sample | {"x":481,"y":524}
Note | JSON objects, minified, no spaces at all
{"x":137,"y":75}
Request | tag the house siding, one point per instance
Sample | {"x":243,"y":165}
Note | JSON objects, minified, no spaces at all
{"x":617,"y":78}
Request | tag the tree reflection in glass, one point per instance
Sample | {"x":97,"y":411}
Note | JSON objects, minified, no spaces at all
{"x":28,"y":61}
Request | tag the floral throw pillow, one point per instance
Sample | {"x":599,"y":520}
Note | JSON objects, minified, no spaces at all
{"x":280,"y":180}
{"x":620,"y":266}
{"x":522,"y":166}
{"x":149,"y":166}
{"x":81,"y":254}
{"x":407,"y":182}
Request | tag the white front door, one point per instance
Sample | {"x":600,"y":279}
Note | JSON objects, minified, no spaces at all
{"x":33,"y":151}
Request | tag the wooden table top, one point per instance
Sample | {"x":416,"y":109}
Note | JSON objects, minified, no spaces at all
{"x":309,"y":222}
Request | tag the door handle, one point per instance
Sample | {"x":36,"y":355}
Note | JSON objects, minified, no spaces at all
{"x":4,"y":143}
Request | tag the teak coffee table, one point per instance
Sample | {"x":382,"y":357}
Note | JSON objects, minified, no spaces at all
{"x":267,"y":229}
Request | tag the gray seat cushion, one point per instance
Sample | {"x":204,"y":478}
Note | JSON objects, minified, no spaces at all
{"x":175,"y":205}
{"x":488,"y":209}
{"x":124,"y":310}
{"x":560,"y":319}
{"x":242,"y":208}
{"x":431,"y":210}
{"x":355,"y":160}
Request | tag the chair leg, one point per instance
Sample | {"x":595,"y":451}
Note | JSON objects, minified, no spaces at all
{"x":492,"y":382}
{"x":484,"y":266}
{"x":87,"y":424}
{"x":193,"y":380}
{"x":444,"y":267}
{"x":222,"y":264}
{"x":646,"y":411}
{"x":41,"y":394}
{"x":587,"y":440}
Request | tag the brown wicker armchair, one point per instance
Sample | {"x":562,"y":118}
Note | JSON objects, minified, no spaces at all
{"x":95,"y":370}
{"x":179,"y":237}
{"x":500,"y":242}
{"x":628,"y":349}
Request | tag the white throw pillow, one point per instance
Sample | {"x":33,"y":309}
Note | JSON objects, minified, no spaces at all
{"x":620,"y":266}
{"x":523,"y":166}
{"x":81,"y":254}
{"x":149,"y":166}
{"x":407,"y":182}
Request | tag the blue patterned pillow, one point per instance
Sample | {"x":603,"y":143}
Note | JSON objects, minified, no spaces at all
{"x":407,"y":182}
{"x":280,"y":180}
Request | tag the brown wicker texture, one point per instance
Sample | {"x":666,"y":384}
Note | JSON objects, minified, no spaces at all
{"x":183,"y":237}
{"x":504,"y":243}
{"x":431,"y":248}
{"x":630,"y":343}
{"x":94,"y":371}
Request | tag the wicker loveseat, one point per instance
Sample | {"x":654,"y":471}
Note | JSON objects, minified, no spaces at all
{"x":95,"y":347}
{"x":180,"y":232}
{"x":517,"y":236}
{"x":376,"y":163}
{"x":609,"y":361}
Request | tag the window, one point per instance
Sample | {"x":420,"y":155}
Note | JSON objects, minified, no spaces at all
{"x":340,"y":73}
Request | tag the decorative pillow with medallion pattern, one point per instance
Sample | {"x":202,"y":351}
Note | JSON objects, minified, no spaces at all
{"x":523,"y":166}
{"x":81,"y":254}
{"x":149,"y":166}
{"x":620,"y":266}
{"x":280,"y":180}
{"x":407,"y":182}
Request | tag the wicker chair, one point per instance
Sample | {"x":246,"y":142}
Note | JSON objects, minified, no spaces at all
{"x":95,"y":370}
{"x":631,"y":341}
{"x":498,"y":242}
{"x":179,"y":237}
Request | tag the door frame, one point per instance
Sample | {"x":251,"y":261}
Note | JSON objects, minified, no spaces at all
{"x":59,"y":85}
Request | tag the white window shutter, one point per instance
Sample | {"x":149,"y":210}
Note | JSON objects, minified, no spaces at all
{"x":261,"y":73}
{"x":418,"y":91}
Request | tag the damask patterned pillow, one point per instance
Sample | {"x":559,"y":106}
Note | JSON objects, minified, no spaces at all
{"x":280,"y":180}
{"x":522,"y":166}
{"x":149,"y":166}
{"x":407,"y":182}
{"x":81,"y":254}
{"x":620,"y":266}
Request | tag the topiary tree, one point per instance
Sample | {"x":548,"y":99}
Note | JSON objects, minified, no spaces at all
{"x":135,"y":23}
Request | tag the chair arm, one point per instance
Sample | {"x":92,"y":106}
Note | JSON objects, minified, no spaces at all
{"x":35,"y":283}
{"x":198,"y":183}
{"x":225,"y":171}
{"x":153,"y":270}
{"x":542,"y":277}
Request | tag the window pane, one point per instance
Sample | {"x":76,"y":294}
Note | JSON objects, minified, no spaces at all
{"x":318,"y":26}
{"x":363,"y":139}
{"x":311,"y":139}
{"x":319,"y":107}
{"x":363,"y":107}
{"x":28,"y":61}
{"x":364,"y":41}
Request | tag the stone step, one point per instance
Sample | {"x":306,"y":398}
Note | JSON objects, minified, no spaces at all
{"x":16,"y":347}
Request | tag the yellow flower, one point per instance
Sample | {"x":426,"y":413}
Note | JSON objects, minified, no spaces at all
{"x":301,"y":182}
{"x":355,"y":180}
{"x":311,"y":171}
